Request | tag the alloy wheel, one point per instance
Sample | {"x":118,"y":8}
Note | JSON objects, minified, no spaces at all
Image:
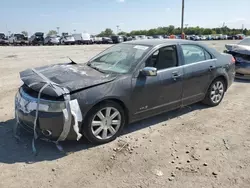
{"x":217,"y":92}
{"x":105,"y":123}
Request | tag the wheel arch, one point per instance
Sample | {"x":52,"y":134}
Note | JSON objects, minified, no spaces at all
{"x":112,"y":99}
{"x":221,"y":76}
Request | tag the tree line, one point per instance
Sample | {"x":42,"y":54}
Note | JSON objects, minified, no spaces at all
{"x":177,"y":31}
{"x":168,"y":31}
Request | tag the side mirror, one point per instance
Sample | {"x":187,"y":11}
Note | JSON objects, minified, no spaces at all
{"x":149,"y":71}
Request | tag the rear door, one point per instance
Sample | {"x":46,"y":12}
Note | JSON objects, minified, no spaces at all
{"x":198,"y":66}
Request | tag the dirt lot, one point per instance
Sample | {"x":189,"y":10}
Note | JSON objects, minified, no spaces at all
{"x":192,"y":147}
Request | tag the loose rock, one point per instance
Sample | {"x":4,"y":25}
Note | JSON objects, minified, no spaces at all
{"x":205,"y":164}
{"x":215,"y":173}
{"x":158,"y":172}
{"x":171,"y":179}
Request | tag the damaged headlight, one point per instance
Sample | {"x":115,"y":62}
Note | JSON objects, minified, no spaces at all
{"x":56,"y":106}
{"x":27,"y":103}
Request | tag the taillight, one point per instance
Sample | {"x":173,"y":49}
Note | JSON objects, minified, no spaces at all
{"x":233,"y":60}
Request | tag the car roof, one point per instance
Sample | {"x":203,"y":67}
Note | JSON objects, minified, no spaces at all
{"x":156,"y":42}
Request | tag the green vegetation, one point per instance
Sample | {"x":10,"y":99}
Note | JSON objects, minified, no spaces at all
{"x":177,"y":31}
{"x":52,"y":32}
{"x":25,"y":33}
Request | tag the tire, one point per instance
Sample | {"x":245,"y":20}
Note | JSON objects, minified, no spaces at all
{"x":215,"y":93}
{"x":103,"y":125}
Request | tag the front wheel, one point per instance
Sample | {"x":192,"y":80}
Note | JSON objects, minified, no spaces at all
{"x":215,"y":93}
{"x":104,"y":123}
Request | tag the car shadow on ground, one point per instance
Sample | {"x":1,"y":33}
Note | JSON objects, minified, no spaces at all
{"x":13,"y":151}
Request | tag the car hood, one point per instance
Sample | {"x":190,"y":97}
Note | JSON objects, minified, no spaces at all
{"x":74,"y":77}
{"x":241,"y":49}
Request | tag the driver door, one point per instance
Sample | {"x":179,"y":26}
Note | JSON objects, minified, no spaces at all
{"x":155,"y":94}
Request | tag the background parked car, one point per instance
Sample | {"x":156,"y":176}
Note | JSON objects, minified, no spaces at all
{"x":194,"y":37}
{"x":18,"y":39}
{"x":67,"y":40}
{"x":117,"y":39}
{"x":81,"y":38}
{"x":241,"y":36}
{"x":126,"y":38}
{"x":158,"y":37}
{"x":52,"y":40}
{"x":222,"y":37}
{"x":37,"y":39}
{"x":107,"y":40}
{"x":3,"y":39}
{"x":142,"y":37}
{"x":97,"y":40}
{"x":241,"y":53}
{"x":136,"y":37}
{"x":215,"y":37}
{"x":202,"y":37}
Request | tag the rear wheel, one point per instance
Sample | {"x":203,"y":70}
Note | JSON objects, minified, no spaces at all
{"x":104,"y":123}
{"x":215,"y":92}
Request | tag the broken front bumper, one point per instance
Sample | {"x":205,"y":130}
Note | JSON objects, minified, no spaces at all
{"x":50,"y":116}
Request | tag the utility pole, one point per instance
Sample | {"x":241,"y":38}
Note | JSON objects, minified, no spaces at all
{"x":222,"y":28}
{"x":117,"y":28}
{"x":242,"y":28}
{"x":182,"y":16}
{"x":58,"y":28}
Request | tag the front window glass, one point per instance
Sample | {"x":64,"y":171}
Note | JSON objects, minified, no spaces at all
{"x":163,"y":58}
{"x":119,"y":58}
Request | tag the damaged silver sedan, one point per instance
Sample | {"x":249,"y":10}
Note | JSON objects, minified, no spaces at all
{"x":241,"y":53}
{"x":125,"y":83}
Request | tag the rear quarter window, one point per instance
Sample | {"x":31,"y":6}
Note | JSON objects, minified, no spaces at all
{"x":194,"y":53}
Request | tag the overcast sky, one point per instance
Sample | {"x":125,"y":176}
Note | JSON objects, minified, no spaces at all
{"x":94,"y":16}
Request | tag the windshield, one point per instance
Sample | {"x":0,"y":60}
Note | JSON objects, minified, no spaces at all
{"x":39,"y":34}
{"x":119,"y":58}
{"x":19,"y":36}
{"x":245,"y":41}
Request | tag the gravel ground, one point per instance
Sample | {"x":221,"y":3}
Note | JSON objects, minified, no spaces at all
{"x":191,"y":147}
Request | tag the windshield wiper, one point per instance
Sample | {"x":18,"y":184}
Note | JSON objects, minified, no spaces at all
{"x":72,"y":62}
{"x":96,"y":68}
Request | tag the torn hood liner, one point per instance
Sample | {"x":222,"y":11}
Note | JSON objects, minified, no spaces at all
{"x":74,"y":77}
{"x":241,"y":49}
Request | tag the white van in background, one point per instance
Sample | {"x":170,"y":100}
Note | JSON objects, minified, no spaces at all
{"x":82,"y":38}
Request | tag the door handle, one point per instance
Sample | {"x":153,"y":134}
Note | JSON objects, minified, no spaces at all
{"x":211,"y":67}
{"x":175,"y":75}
